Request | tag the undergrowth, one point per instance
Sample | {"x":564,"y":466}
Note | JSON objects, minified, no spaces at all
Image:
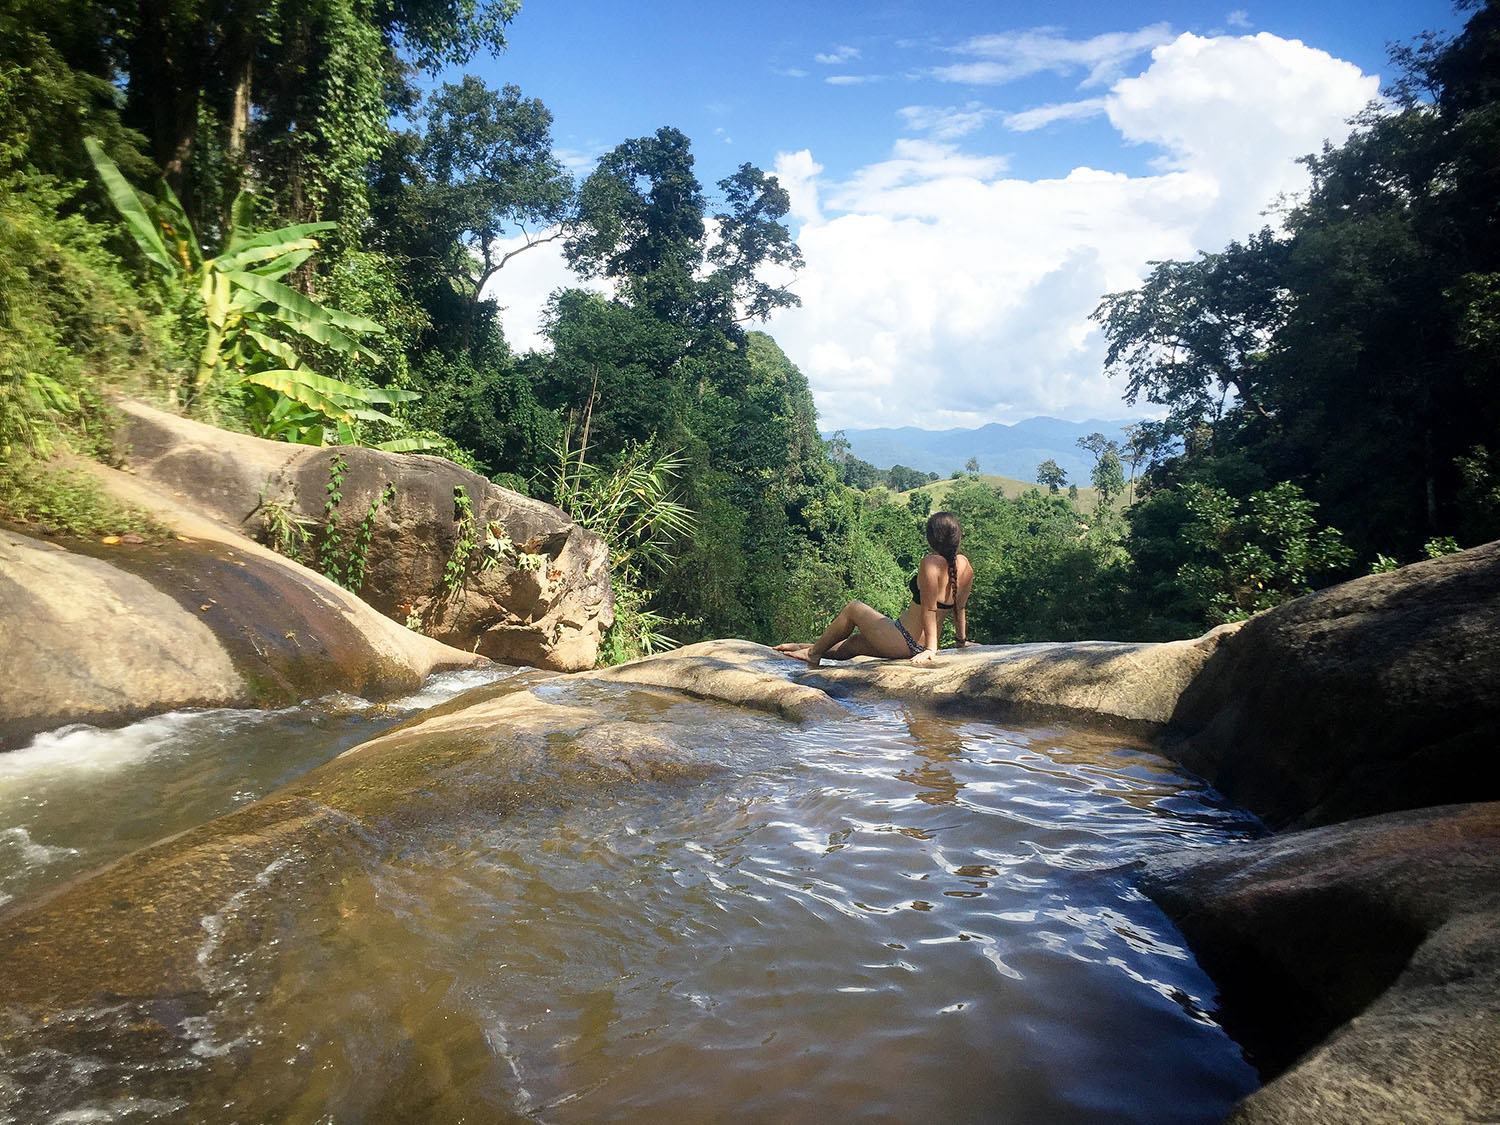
{"x":56,"y":500}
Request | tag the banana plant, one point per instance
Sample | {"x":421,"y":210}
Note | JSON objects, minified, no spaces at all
{"x":250,"y":315}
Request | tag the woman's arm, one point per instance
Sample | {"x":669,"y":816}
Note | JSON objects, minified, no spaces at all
{"x":961,"y":624}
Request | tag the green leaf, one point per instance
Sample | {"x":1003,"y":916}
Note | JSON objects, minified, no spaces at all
{"x":270,"y":244}
{"x":174,"y":224}
{"x":128,"y":202}
{"x":390,"y":394}
{"x":279,"y":349}
{"x":409,"y":445}
{"x":298,"y":312}
{"x":304,"y":387}
{"x":283,"y":265}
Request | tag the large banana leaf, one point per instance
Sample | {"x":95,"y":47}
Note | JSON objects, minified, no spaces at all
{"x":388,"y":394}
{"x":295,"y":311}
{"x":128,"y":202}
{"x":254,"y":249}
{"x":178,"y":231}
{"x":280,"y":267}
{"x":409,"y":445}
{"x":253,"y":255}
{"x":278,"y":349}
{"x":304,"y":308}
{"x":304,"y":387}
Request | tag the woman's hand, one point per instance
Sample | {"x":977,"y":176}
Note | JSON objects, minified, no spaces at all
{"x":926,"y":656}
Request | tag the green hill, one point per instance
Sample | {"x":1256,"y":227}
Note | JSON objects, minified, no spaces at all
{"x":1011,"y":487}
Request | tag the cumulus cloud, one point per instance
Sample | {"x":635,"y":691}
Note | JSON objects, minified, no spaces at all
{"x":1238,"y":18}
{"x":1013,"y":55}
{"x":939,"y":291}
{"x":1039,"y":117}
{"x":837,"y":56}
{"x":942,"y":291}
{"x":523,"y":288}
{"x":946,"y":123}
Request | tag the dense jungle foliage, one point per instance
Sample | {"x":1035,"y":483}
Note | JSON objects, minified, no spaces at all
{"x":273,"y":227}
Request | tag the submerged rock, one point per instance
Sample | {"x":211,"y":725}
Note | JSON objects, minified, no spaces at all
{"x":1373,"y":946}
{"x":549,"y":610}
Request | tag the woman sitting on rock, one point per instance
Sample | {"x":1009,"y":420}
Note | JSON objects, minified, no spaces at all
{"x":943,"y":574}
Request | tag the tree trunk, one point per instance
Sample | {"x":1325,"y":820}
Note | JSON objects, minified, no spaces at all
{"x":166,"y":57}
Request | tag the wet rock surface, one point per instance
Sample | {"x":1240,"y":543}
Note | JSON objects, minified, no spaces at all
{"x":1372,"y":946}
{"x":134,"y":629}
{"x":549,"y":612}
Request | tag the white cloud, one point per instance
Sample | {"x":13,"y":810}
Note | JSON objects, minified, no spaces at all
{"x":946,"y":123}
{"x":837,"y":56}
{"x":789,"y":72}
{"x":1013,"y":55}
{"x":523,"y":287}
{"x":1239,"y":18}
{"x":579,"y":161}
{"x":853,"y":79}
{"x":798,"y":173}
{"x":1039,"y":117}
{"x":940,"y":292}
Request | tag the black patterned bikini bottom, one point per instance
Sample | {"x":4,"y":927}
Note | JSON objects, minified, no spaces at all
{"x":910,"y":643}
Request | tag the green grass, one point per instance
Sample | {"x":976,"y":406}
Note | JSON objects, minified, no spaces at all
{"x":51,"y":499}
{"x":939,"y":490}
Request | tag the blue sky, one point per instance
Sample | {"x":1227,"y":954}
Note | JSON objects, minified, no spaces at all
{"x":904,"y":130}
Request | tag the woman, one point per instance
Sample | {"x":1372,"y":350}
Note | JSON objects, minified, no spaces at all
{"x":940,"y":586}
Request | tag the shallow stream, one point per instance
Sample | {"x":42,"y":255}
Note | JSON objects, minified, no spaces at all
{"x":894,"y":917}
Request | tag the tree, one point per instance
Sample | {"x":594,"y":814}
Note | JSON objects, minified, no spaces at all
{"x":1108,"y":478}
{"x":904,"y":479}
{"x":481,"y":172}
{"x":1197,"y":330}
{"x":642,"y":223}
{"x":1051,"y":474}
{"x":920,"y":504}
{"x":971,"y":466}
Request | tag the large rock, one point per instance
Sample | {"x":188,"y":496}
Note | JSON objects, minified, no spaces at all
{"x":205,"y":619}
{"x":1373,"y":946}
{"x":1114,"y":683}
{"x":551,"y":615}
{"x":1378,"y":694}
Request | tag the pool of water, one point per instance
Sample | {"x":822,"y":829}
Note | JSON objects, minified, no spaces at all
{"x":895,"y":917}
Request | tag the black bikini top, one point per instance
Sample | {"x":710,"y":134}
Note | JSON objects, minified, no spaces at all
{"x":916,"y":594}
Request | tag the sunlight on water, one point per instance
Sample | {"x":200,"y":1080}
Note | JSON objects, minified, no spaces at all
{"x":895,"y":917}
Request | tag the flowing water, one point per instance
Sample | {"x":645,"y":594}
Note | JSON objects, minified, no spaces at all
{"x":896,"y":917}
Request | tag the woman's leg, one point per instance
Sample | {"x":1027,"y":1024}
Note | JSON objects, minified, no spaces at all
{"x":878,"y":630}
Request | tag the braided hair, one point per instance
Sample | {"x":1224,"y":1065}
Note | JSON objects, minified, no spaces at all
{"x":943,"y":536}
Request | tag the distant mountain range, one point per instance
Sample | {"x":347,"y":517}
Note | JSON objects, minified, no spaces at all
{"x":1009,"y":451}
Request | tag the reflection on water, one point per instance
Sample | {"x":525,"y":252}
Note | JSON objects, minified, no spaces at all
{"x":81,"y":795}
{"x":896,"y":917}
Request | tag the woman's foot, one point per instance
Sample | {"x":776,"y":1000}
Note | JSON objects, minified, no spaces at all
{"x":798,"y":652}
{"x":793,"y":648}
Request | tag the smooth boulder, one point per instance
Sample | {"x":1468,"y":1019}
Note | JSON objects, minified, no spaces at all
{"x":107,"y":633}
{"x":1370,"y":949}
{"x":1375,"y":695}
{"x":424,"y":554}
